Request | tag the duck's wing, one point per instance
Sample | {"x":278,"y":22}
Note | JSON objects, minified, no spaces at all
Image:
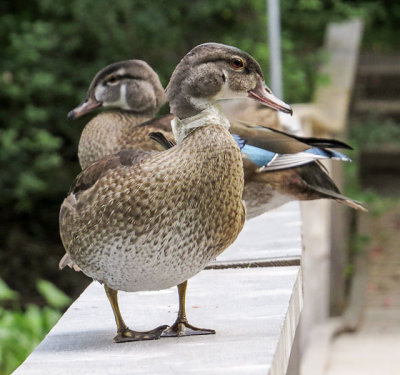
{"x":311,"y":141}
{"x":267,"y":139}
{"x":270,"y":160}
{"x":281,"y":142}
{"x":88,"y":177}
{"x":162,"y":140}
{"x":317,"y":180}
{"x":83,"y":183}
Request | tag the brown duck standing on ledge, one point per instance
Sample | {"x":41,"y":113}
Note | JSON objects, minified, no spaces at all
{"x":147,"y":221}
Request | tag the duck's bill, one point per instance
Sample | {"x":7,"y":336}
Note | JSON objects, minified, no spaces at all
{"x":86,"y":106}
{"x":264,"y":95}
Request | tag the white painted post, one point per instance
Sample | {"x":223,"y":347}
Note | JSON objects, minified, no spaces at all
{"x":274,"y":36}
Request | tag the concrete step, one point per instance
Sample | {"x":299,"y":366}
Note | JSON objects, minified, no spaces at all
{"x":380,"y":169}
{"x":378,"y":64}
{"x":366,"y":354}
{"x":378,"y":106}
{"x":388,"y":69}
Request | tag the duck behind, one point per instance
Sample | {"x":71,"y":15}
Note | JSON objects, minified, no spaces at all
{"x":132,"y":94}
{"x":281,"y":167}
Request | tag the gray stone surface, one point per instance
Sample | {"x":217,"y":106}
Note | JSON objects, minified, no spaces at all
{"x":275,"y":235}
{"x":254,"y":311}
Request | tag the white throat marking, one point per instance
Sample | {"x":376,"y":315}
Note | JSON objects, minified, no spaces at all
{"x":212,"y":115}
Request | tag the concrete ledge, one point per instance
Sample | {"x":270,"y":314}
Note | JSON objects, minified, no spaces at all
{"x":253,"y":305}
{"x":273,"y":237}
{"x":254,"y":311}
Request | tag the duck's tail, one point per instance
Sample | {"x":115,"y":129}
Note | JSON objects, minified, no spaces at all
{"x":67,"y":261}
{"x":338,"y":197}
{"x":320,"y":182}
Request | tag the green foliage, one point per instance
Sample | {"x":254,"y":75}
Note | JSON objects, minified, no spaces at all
{"x":373,"y":131}
{"x":374,"y":202}
{"x":359,"y":242}
{"x":54,"y":296}
{"x":7,"y":293}
{"x":21,"y":330}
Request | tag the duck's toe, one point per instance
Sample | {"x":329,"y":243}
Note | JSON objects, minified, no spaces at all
{"x":130,"y":335}
{"x":183,"y":328}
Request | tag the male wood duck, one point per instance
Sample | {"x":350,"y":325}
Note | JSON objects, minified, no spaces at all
{"x":266,"y":186}
{"x":147,"y":221}
{"x":132,"y":93}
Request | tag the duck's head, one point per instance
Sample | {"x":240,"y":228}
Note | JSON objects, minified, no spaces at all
{"x":211,"y":72}
{"x":130,"y":85}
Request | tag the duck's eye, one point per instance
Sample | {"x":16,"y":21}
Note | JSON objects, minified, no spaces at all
{"x":237,"y":63}
{"x":112,"y":80}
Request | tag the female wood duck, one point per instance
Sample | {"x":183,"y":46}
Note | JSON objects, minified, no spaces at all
{"x":147,"y":221}
{"x":280,"y":167}
{"x":132,"y":93}
{"x":118,"y":86}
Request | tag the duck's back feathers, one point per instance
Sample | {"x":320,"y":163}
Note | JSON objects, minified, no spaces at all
{"x":113,"y":131}
{"x":88,"y":177}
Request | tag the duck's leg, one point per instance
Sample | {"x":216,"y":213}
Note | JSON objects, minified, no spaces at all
{"x":181,"y":327}
{"x":123,"y":332}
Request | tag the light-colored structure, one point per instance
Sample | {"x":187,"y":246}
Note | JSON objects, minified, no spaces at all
{"x":251,"y":295}
{"x":325,"y":222}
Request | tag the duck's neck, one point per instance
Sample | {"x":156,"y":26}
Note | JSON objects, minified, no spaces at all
{"x":121,"y":118}
{"x":211,"y":115}
{"x":131,"y":113}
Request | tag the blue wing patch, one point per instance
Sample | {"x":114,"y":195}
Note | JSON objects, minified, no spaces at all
{"x":239,"y":140}
{"x":269,"y":160}
{"x":331,"y":154}
{"x":257,"y":155}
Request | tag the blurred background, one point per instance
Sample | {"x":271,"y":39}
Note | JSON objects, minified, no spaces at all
{"x":52,"y":49}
